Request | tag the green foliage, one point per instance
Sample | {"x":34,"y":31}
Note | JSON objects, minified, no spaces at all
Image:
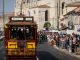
{"x":47,"y":25}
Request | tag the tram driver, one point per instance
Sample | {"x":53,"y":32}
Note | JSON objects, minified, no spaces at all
{"x":20,"y":34}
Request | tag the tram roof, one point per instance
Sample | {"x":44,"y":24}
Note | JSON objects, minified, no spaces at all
{"x":21,"y":23}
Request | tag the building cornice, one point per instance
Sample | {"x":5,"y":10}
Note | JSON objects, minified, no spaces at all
{"x":74,"y":4}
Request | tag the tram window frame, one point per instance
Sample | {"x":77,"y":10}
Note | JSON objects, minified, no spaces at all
{"x":31,"y":35}
{"x":30,"y":30}
{"x":11,"y":33}
{"x":21,"y":33}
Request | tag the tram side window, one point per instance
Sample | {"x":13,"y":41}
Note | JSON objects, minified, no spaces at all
{"x":13,"y":33}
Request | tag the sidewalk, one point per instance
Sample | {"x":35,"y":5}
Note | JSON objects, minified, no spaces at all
{"x":1,"y":37}
{"x":77,"y":54}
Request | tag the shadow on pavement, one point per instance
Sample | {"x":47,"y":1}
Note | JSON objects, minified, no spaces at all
{"x":42,"y":55}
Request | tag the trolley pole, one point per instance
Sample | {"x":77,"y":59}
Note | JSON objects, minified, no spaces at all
{"x":21,"y":7}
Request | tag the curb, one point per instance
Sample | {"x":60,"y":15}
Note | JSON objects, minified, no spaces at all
{"x":65,"y":51}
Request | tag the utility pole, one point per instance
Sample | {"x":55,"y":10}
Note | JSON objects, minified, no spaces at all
{"x":58,"y":13}
{"x":3,"y":15}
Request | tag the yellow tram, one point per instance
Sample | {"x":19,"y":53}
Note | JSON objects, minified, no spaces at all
{"x":20,"y":35}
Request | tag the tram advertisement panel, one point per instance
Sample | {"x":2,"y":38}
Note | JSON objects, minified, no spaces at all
{"x":30,"y":19}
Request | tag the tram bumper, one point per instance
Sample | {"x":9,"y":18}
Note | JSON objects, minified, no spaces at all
{"x":20,"y":57}
{"x":21,"y":52}
{"x":26,"y":54}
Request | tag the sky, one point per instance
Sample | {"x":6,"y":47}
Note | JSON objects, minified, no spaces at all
{"x":8,"y":6}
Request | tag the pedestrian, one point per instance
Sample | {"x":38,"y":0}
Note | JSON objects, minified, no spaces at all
{"x":39,"y":37}
{"x":43,"y":37}
{"x":67,"y":42}
{"x":57,"y":40}
{"x":70,"y":44}
{"x":62,"y":42}
{"x":48,"y":37}
{"x":74,"y":44}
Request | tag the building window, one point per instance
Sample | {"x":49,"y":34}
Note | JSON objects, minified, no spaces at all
{"x":34,"y":12}
{"x":23,"y":12}
{"x":46,"y":15}
{"x":17,"y":2}
{"x":63,"y":5}
{"x":70,"y":25}
{"x":23,"y":2}
{"x":38,"y":0}
{"x":39,"y":11}
{"x":28,"y":1}
{"x":29,"y":13}
{"x":63,"y":26}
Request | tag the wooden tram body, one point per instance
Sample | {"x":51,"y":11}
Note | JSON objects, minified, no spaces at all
{"x":20,"y":35}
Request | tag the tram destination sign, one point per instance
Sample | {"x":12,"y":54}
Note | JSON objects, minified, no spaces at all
{"x":22,"y":19}
{"x":16,"y":19}
{"x":28,"y":19}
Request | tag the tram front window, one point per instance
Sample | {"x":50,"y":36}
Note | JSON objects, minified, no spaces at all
{"x":29,"y":33}
{"x":22,"y":33}
{"x":13,"y":33}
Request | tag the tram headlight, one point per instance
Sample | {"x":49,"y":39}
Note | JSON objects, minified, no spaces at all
{"x":30,"y":45}
{"x":12,"y":45}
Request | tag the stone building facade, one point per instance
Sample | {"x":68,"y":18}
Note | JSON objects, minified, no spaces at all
{"x":42,"y":10}
{"x":71,"y":15}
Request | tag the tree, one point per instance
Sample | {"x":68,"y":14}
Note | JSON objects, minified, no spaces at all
{"x":47,"y":25}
